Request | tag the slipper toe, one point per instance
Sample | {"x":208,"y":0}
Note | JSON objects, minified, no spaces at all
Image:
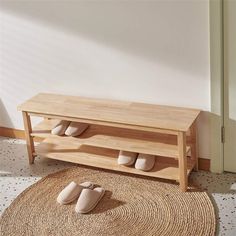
{"x":60,"y":128}
{"x":145,"y":162}
{"x":76,"y":128}
{"x":89,"y":199}
{"x":126,"y":158}
{"x":72,"y":191}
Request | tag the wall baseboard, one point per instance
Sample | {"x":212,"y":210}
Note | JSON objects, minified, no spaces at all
{"x":203,"y":164}
{"x":12,"y":133}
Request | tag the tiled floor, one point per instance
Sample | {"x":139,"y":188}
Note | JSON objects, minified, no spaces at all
{"x":16,"y":175}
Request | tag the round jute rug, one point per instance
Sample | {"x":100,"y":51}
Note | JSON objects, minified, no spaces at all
{"x":131,"y":206}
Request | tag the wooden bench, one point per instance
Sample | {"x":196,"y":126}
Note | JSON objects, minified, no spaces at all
{"x":114,"y":126}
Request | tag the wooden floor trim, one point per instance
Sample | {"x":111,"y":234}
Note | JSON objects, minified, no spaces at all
{"x":15,"y":133}
{"x":204,"y":164}
{"x":12,"y":133}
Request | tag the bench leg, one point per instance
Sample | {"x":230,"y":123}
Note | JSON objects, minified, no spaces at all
{"x":28,"y":137}
{"x":194,"y":153}
{"x":183,"y":178}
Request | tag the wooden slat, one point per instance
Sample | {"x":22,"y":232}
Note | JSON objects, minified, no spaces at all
{"x":116,"y":112}
{"x":115,"y":138}
{"x":166,"y":168}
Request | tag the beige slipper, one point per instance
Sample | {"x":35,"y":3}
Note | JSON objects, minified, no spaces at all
{"x":126,"y":158}
{"x":88,"y":199}
{"x":60,"y":128}
{"x":75,"y":129}
{"x":145,"y":162}
{"x":72,"y":191}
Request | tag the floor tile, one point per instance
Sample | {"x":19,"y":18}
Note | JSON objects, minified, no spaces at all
{"x":16,"y":175}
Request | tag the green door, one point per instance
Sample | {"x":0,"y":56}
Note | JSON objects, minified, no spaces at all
{"x":229,"y":18}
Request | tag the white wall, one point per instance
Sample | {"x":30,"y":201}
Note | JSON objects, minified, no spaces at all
{"x":148,"y":51}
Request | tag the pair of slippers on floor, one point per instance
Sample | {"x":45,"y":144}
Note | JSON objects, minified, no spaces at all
{"x":142,"y":161}
{"x":69,"y":128}
{"x":88,"y":196}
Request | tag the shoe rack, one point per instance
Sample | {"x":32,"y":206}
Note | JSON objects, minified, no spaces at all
{"x":169,"y":133}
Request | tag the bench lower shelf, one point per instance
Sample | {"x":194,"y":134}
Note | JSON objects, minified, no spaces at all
{"x":165,"y":167}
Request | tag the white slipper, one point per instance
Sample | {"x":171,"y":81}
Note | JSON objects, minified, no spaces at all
{"x":60,"y":128}
{"x":145,"y":162}
{"x":72,"y":191}
{"x":89,"y":199}
{"x":75,"y":129}
{"x":126,"y":158}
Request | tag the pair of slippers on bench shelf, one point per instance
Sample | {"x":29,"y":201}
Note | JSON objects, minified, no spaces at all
{"x":88,"y":196}
{"x":69,"y":128}
{"x":142,"y":161}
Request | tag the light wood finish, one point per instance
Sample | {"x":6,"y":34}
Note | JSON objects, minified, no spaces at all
{"x":203,"y":163}
{"x":12,"y":133}
{"x":114,"y":112}
{"x":194,"y":144}
{"x":166,"y":168}
{"x":182,"y":161}
{"x":116,"y":138}
{"x":16,"y":133}
{"x":125,"y":126}
{"x":103,"y":123}
{"x":28,"y":137}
